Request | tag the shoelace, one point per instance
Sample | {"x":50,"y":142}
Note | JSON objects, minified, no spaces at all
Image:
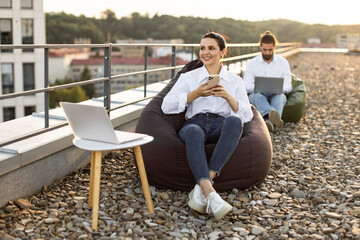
{"x":210,"y":198}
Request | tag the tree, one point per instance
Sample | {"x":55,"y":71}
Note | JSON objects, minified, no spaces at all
{"x":109,"y":23}
{"x":63,"y":28}
{"x":89,"y":88}
{"x":74,"y":94}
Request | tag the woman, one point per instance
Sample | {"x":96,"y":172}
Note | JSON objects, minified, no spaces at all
{"x":215,"y":114}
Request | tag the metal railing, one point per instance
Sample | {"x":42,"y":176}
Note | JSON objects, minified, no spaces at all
{"x":245,"y":51}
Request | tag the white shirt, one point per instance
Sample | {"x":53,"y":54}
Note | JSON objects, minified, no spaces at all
{"x":175,"y":101}
{"x":278,"y":67}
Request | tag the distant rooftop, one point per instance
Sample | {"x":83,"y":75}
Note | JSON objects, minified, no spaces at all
{"x":64,"y":51}
{"x":128,"y":61}
{"x":150,"y":40}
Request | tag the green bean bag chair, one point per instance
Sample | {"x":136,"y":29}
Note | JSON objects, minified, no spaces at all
{"x":295,"y":106}
{"x":165,"y":158}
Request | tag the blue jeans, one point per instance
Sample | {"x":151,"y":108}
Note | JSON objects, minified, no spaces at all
{"x":265,"y":103}
{"x":210,"y":128}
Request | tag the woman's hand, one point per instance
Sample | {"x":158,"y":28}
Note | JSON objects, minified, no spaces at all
{"x":219,"y":91}
{"x":202,"y":91}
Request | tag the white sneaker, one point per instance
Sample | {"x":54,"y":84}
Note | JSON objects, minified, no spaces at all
{"x":217,"y":205}
{"x":197,"y":199}
{"x":275,"y":118}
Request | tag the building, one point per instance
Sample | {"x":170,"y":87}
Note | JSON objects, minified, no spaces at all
{"x":21,"y":22}
{"x":122,"y":66}
{"x":155,"y":51}
{"x":60,"y":60}
{"x":313,"y":40}
{"x":349,"y":41}
{"x":167,"y":51}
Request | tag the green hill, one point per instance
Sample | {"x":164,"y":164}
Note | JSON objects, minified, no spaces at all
{"x":64,"y":28}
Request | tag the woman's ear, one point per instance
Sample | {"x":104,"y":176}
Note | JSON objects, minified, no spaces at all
{"x":224,"y":51}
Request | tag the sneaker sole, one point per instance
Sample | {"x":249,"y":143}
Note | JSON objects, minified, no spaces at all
{"x":223,"y":211}
{"x":275,"y":119}
{"x":194,"y":205}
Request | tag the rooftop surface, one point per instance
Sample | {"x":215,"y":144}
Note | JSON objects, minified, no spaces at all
{"x":311,"y":192}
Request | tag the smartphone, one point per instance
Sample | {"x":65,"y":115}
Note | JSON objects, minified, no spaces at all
{"x":213,"y":80}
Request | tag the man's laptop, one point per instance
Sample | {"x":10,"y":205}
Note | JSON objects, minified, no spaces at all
{"x":269,"y":85}
{"x":93,"y":123}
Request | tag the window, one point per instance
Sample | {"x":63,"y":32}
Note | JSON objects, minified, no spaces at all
{"x":7,"y":77}
{"x":28,"y":76}
{"x":8,"y":113}
{"x":29,"y":110}
{"x":26,"y":4}
{"x":27,"y":32}
{"x":5,"y":33}
{"x":5,"y":3}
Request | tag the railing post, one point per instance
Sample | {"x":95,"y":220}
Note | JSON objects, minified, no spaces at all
{"x":107,"y":73}
{"x":46,"y":84}
{"x":173,"y":57}
{"x":145,"y":68}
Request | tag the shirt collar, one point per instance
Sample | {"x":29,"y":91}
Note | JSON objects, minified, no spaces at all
{"x":203,"y":74}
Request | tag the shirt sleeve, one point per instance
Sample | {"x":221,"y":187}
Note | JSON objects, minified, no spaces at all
{"x":249,"y":77}
{"x":244,"y":112}
{"x":175,"y":101}
{"x":287,"y":77}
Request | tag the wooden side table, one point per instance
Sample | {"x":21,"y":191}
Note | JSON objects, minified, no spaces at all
{"x":96,"y":148}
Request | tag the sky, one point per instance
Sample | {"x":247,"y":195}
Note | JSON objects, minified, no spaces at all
{"x":329,"y":12}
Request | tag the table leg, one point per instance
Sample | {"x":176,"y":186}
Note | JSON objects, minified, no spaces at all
{"x":143,"y":178}
{"x":92,"y":164}
{"x":96,"y":188}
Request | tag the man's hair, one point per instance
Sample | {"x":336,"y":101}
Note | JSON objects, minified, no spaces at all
{"x":267,"y":37}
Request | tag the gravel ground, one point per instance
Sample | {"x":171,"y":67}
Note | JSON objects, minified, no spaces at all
{"x":312,"y":190}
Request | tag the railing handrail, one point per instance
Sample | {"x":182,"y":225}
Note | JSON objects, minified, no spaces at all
{"x":58,"y":46}
{"x":107,"y":71}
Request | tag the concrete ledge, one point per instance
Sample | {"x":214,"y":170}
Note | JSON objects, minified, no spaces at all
{"x":30,"y":178}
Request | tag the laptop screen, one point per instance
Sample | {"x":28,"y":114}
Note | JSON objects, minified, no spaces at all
{"x":269,"y":85}
{"x":93,"y":123}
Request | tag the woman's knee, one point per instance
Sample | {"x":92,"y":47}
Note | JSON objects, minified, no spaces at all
{"x":233,"y":122}
{"x":191,"y":130}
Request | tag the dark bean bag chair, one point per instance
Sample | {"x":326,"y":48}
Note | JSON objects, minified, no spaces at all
{"x":295,"y":106}
{"x":165,"y":158}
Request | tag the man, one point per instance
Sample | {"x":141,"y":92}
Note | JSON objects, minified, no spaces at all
{"x":268,"y":64}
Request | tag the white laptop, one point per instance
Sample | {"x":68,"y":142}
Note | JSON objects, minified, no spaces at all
{"x":269,"y":85}
{"x":93,"y":123}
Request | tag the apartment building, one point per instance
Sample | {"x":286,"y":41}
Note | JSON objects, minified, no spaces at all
{"x":21,"y":22}
{"x":122,"y":66}
{"x":349,"y":41}
{"x":60,"y":60}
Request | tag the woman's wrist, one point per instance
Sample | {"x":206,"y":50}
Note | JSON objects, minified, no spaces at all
{"x":192,"y":96}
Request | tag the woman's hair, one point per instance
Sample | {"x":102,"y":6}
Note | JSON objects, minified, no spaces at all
{"x":218,"y":38}
{"x":268,"y":37}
